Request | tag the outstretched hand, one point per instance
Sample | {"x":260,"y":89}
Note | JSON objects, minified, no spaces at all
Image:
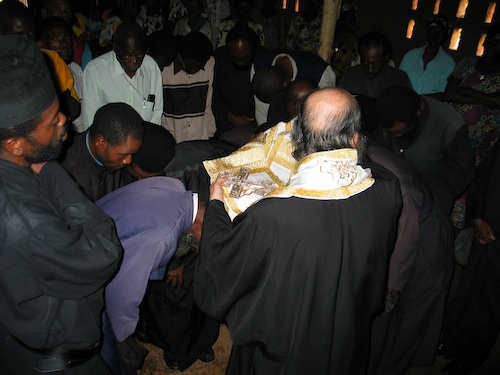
{"x":216,"y":191}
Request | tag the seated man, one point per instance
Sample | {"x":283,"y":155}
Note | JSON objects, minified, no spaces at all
{"x":285,"y":104}
{"x":126,"y":74}
{"x":54,"y":33}
{"x":62,"y":8}
{"x":292,"y":65}
{"x":96,"y":157}
{"x":233,"y":102}
{"x":374,"y":74}
{"x":187,"y":90}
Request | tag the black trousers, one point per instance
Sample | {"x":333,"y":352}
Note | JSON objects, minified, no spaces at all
{"x":174,"y":322}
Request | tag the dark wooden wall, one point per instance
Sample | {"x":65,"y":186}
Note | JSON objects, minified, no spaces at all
{"x":391,"y":17}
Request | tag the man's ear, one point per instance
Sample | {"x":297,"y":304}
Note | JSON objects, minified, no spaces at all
{"x":40,"y":44}
{"x":13,"y":146}
{"x":100,"y":142}
{"x":354,"y":140}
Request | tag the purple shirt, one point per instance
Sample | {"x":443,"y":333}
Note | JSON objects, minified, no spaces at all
{"x":150,"y":216}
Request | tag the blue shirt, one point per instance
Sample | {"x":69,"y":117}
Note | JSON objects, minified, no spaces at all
{"x":433,"y":79}
{"x":150,"y":216}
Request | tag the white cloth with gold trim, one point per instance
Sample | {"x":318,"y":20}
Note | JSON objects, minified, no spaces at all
{"x":323,"y":175}
{"x":269,"y":157}
{"x":327,"y":175}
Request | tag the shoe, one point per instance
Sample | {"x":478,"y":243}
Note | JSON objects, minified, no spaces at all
{"x":170,"y":360}
{"x":207,"y":355}
{"x":458,"y":367}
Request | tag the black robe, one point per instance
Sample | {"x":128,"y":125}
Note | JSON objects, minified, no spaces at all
{"x":95,"y":180}
{"x":420,"y":268}
{"x":472,"y":320}
{"x":299,"y":280}
{"x":57,"y":251}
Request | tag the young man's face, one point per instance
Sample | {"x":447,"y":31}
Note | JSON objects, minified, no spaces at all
{"x":117,"y":156}
{"x":45,"y":142}
{"x":59,"y":40}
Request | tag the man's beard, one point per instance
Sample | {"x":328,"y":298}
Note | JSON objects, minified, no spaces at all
{"x":44,"y":153}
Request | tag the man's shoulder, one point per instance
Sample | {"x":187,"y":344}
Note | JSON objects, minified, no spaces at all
{"x":353,"y":71}
{"x":393,"y":71}
{"x":210,"y":63}
{"x":150,"y":63}
{"x":352,"y":74}
{"x":74,"y":153}
{"x":154,"y":194}
{"x":444,"y":114}
{"x":100,"y":62}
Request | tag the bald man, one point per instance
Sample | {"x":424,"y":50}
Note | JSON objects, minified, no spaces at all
{"x":125,"y":74}
{"x":299,"y":275}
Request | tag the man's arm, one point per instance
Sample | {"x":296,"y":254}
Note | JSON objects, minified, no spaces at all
{"x":328,"y":78}
{"x":65,"y":252}
{"x":215,"y":290}
{"x":466,"y":95}
{"x":157,"y":88}
{"x":91,"y":100}
{"x":478,"y":193}
{"x":459,"y":167}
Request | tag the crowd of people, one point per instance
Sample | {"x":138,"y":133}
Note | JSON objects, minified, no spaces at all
{"x":167,"y":167}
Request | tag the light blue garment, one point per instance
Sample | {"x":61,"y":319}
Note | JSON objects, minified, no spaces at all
{"x":150,"y":216}
{"x":433,"y":79}
{"x":87,"y":55}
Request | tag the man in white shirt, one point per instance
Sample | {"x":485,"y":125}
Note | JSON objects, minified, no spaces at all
{"x":125,"y":74}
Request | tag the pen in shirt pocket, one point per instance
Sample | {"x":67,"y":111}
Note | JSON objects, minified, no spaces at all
{"x":151,"y":98}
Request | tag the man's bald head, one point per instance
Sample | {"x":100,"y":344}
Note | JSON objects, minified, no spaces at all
{"x":328,"y":119}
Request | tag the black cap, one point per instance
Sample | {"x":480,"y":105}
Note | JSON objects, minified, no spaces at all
{"x":26,"y":88}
